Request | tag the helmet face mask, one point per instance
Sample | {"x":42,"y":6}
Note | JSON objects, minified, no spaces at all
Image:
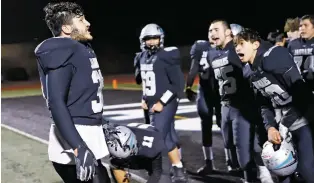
{"x":151,"y":32}
{"x":121,"y":142}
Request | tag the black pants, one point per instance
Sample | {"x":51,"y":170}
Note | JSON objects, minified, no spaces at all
{"x":206,"y":102}
{"x":68,"y":173}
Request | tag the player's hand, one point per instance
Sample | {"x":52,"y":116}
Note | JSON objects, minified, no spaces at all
{"x":144,"y":105}
{"x":190,"y":94}
{"x":157,"y":107}
{"x":85,"y":162}
{"x":274,"y":136}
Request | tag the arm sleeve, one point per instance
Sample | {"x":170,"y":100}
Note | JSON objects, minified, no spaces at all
{"x":138,"y":78}
{"x":58,"y":83}
{"x":195,"y":56}
{"x":176,"y":78}
{"x":267,"y":111}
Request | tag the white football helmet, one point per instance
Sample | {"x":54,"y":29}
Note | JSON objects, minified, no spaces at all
{"x":280,"y":159}
{"x":121,"y":142}
{"x":151,"y":30}
{"x":236,"y":29}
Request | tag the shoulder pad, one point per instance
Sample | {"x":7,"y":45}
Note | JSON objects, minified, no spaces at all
{"x":266,"y":54}
{"x":55,"y":52}
{"x":200,"y":41}
{"x":171,"y":55}
{"x":170,"y":48}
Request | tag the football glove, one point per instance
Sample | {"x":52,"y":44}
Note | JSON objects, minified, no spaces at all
{"x":85,"y":162}
{"x":190,"y":94}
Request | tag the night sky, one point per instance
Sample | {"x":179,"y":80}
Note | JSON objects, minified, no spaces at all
{"x":118,"y":23}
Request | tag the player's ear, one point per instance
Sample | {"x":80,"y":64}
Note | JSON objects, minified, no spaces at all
{"x":66,"y":29}
{"x":228,"y":32}
{"x":256,"y":45}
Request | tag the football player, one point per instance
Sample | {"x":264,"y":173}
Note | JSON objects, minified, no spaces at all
{"x":302,"y":49}
{"x":72,"y":85}
{"x":238,"y":123}
{"x":163,"y":86}
{"x":136,"y":146}
{"x":207,"y":99}
{"x":277,"y":78}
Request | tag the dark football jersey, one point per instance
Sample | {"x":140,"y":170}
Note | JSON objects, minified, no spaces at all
{"x":150,"y":141}
{"x":228,"y":69}
{"x":277,"y":77}
{"x":84,"y":98}
{"x":303,"y":55}
{"x":200,"y":65}
{"x":161,"y":74}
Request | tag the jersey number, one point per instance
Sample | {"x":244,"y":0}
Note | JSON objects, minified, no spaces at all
{"x":147,"y":141}
{"x":278,"y":95}
{"x":203,"y":61}
{"x":97,"y":78}
{"x":149,"y":83}
{"x":227,"y":85}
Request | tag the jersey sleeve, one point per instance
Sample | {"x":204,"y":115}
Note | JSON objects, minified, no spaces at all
{"x":175,"y":76}
{"x":57,"y":84}
{"x":138,"y":78}
{"x":195,"y":57}
{"x":267,"y":110}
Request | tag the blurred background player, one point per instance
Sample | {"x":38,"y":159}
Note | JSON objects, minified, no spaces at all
{"x":163,"y":86}
{"x":207,"y":99}
{"x":302,"y":49}
{"x":277,"y":38}
{"x":291,"y":28}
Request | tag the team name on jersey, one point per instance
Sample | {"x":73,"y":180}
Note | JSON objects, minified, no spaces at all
{"x":262,"y":83}
{"x":147,"y":67}
{"x":303,"y":51}
{"x":220,"y":62}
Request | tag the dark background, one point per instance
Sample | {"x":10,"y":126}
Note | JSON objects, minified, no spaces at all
{"x":118,"y":23}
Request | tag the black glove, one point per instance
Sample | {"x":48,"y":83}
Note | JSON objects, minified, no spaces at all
{"x":85,"y":163}
{"x":190,"y":94}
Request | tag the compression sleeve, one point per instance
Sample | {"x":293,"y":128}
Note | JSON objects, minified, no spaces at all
{"x":58,"y":83}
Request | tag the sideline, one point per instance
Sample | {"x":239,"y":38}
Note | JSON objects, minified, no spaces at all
{"x":133,"y":176}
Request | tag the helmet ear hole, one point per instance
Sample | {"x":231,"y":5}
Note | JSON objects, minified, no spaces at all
{"x":276,"y":147}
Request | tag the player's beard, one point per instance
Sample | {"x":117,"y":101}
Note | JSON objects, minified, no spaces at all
{"x":82,"y":36}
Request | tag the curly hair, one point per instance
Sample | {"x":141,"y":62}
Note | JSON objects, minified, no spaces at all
{"x":248,"y":35}
{"x":62,"y":13}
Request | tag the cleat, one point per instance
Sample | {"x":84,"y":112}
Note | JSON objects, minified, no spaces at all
{"x":207,"y":169}
{"x":179,"y":175}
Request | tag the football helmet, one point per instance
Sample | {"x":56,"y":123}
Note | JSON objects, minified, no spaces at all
{"x":151,"y":31}
{"x":235,"y":29}
{"x":280,"y":159}
{"x":121,"y":142}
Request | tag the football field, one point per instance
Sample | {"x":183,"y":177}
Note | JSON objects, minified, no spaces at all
{"x":26,"y":160}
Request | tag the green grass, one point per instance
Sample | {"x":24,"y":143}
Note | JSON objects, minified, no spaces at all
{"x":24,"y":160}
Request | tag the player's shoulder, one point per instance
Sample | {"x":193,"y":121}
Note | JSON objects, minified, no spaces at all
{"x":170,"y":55}
{"x":55,"y":52}
{"x":295,"y":43}
{"x":55,"y":43}
{"x":201,"y":45}
{"x":276,"y":56}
